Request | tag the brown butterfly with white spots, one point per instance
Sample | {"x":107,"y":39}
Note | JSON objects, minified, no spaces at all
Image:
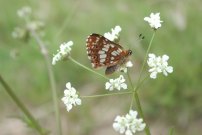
{"x":104,"y":53}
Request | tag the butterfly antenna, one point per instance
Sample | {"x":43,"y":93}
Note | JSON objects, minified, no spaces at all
{"x":141,"y":37}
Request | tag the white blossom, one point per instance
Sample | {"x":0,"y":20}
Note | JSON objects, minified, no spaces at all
{"x":63,"y":52}
{"x":118,"y":83}
{"x":35,"y":25}
{"x":24,"y":12}
{"x":18,"y":33}
{"x":114,"y":35}
{"x":158,"y":65}
{"x":126,"y":66}
{"x":129,"y":123}
{"x":154,"y":20}
{"x":70,"y":97}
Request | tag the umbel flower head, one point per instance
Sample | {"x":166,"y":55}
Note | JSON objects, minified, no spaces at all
{"x":114,"y":35}
{"x":158,"y":64}
{"x":24,"y":12}
{"x":70,"y":97}
{"x":154,"y":20}
{"x":117,"y":83}
{"x":128,"y":124}
{"x":63,"y":52}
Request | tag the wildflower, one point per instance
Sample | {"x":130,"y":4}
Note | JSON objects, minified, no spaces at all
{"x":35,"y":25}
{"x":126,"y":66}
{"x":70,"y":97}
{"x":63,"y":53}
{"x":24,"y":12}
{"x":114,"y":35}
{"x":19,"y":33}
{"x":129,"y":123}
{"x":117,"y":83}
{"x":154,"y":20}
{"x":158,"y":65}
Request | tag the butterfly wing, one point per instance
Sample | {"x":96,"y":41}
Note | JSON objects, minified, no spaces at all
{"x":103,"y":52}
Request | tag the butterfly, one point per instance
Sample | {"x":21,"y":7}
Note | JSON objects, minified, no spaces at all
{"x":104,"y":53}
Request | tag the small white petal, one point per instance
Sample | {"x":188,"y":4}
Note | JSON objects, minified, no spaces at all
{"x":69,"y":107}
{"x":153,"y":75}
{"x":68,"y":85}
{"x":129,"y":64}
{"x":124,"y":86}
{"x":169,"y":69}
{"x":165,"y":57}
{"x":128,"y":132}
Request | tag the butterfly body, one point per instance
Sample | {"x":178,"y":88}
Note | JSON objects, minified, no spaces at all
{"x":105,"y":53}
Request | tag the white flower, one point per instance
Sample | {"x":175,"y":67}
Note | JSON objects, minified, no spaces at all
{"x":119,"y":124}
{"x":70,"y":97}
{"x":18,"y":33}
{"x":63,"y":53}
{"x":117,"y":83}
{"x":35,"y":25}
{"x":154,"y":20}
{"x":24,"y":12}
{"x":114,"y":35}
{"x":158,"y":65}
{"x":126,"y":66}
{"x":128,"y":124}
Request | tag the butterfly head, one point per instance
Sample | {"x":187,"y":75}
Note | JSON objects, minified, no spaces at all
{"x":129,"y":52}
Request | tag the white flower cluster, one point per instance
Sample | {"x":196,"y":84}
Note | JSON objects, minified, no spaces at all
{"x":158,"y":65}
{"x":126,"y":66}
{"x":154,"y":20}
{"x":129,"y":123}
{"x":114,"y":35}
{"x":117,"y":83}
{"x":70,"y":97}
{"x":24,"y":12}
{"x":63,"y":53}
{"x":35,"y":25}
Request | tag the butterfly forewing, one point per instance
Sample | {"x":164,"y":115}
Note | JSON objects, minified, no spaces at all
{"x":103,"y":52}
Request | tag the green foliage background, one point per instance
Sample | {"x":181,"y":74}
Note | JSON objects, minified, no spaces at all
{"x":173,"y":101}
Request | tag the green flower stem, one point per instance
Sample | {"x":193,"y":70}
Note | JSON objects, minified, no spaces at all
{"x":171,"y":131}
{"x":22,"y":107}
{"x":103,"y":95}
{"x":44,"y":52}
{"x":135,"y":94}
{"x":145,"y":58}
{"x":136,"y":89}
{"x":139,"y":108}
{"x":76,"y":62}
{"x":130,"y":80}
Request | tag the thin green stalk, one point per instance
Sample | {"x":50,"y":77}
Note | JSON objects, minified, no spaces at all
{"x":130,"y":80}
{"x":44,"y":52}
{"x":22,"y":107}
{"x":171,"y":131}
{"x":103,"y":95}
{"x":76,"y":62}
{"x":136,"y":89}
{"x":145,"y":58}
{"x":139,"y":108}
{"x":131,"y":83}
{"x":135,"y":94}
